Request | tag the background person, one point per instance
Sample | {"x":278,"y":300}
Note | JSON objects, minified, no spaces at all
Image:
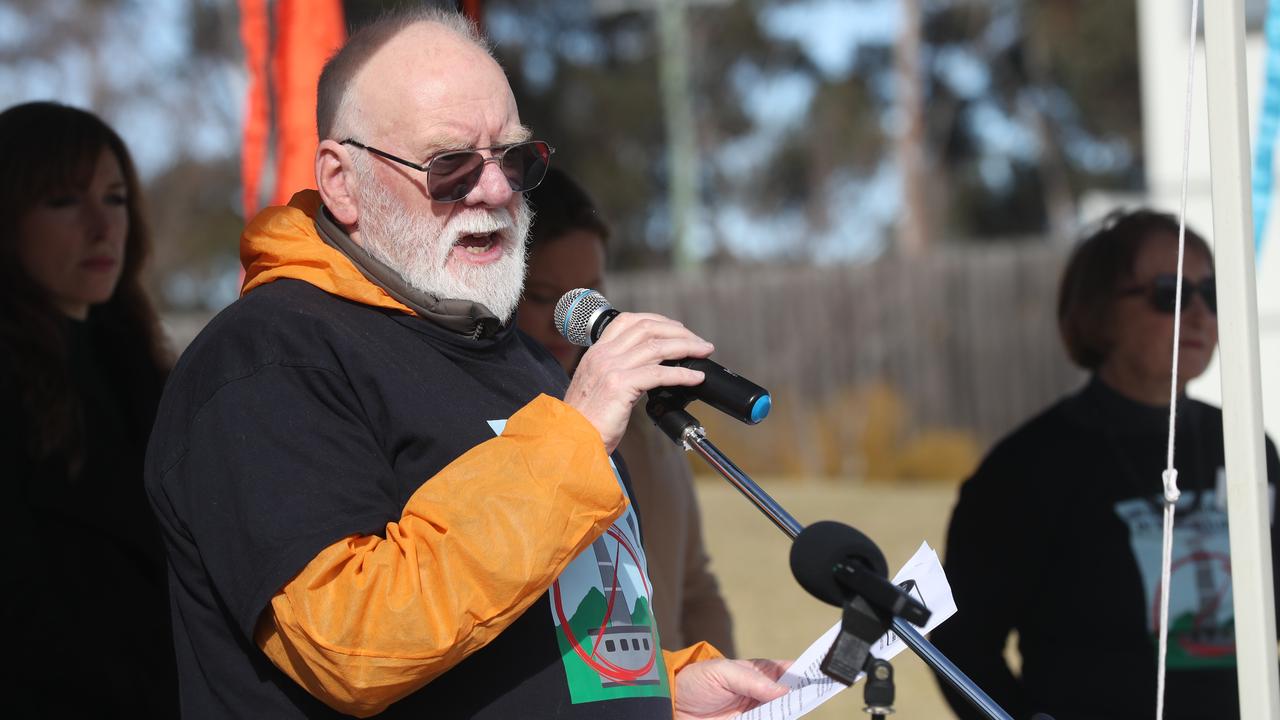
{"x":1057,"y":536}
{"x":82,"y":363}
{"x":373,"y":498}
{"x":567,"y":244}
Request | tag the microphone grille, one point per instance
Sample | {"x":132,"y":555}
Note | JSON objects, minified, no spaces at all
{"x":574,"y":313}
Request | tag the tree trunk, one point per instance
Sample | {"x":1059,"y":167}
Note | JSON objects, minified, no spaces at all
{"x":913,"y":227}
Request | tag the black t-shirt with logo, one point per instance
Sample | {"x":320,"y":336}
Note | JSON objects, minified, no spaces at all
{"x":298,"y":418}
{"x":1058,"y":536}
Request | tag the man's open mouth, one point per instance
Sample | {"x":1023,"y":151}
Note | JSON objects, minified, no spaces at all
{"x":478,"y":244}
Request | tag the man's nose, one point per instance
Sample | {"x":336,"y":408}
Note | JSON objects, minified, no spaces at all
{"x":493,"y":189}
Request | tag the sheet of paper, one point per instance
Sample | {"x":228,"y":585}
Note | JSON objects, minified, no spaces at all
{"x":810,"y":687}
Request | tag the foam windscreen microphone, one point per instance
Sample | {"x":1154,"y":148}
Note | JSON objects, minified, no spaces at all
{"x":820,"y":546}
{"x":581,"y":316}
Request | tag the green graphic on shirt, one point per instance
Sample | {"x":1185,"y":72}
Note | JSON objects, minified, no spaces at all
{"x":623,"y":661}
{"x":600,"y":606}
{"x":1201,"y":615}
{"x":1200,"y":647}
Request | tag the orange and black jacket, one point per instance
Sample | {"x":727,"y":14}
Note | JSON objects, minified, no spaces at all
{"x":367,"y":511}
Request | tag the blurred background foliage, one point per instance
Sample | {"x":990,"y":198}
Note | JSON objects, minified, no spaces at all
{"x":795,"y":109}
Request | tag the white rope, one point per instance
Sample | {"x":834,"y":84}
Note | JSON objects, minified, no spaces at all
{"x":1170,"y":476}
{"x":1166,"y":561}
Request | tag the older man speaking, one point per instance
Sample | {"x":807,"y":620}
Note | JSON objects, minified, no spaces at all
{"x":374,"y":502}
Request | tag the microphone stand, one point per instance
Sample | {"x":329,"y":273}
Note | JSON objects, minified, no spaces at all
{"x":666,"y":407}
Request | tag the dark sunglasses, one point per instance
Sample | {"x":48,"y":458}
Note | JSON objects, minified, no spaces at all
{"x":1162,"y":292}
{"x":452,"y":175}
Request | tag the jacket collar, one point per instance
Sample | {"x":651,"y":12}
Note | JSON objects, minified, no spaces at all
{"x":302,"y":241}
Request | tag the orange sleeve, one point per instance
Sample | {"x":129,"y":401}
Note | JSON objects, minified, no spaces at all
{"x":372,"y":619}
{"x":678,"y":660}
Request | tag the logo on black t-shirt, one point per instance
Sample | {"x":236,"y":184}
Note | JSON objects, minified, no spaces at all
{"x":1201,"y":614}
{"x":601,"y":609}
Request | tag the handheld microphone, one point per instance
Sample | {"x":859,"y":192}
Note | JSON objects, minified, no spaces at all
{"x":581,"y":316}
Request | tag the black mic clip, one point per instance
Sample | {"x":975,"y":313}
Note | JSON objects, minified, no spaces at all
{"x":842,"y":567}
{"x":666,"y":408}
{"x":870,"y":604}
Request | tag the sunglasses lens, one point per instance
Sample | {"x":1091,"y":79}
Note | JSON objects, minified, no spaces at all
{"x":1164,"y":293}
{"x":453,"y":175}
{"x":1209,"y":293}
{"x":526,"y":164}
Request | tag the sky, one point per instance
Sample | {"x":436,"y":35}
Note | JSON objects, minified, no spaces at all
{"x":146,"y":62}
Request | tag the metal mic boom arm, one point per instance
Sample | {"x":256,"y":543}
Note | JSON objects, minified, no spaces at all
{"x":667,"y":410}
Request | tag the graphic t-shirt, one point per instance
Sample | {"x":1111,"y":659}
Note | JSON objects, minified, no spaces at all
{"x":298,"y":418}
{"x":608,"y":638}
{"x":1057,"y":536}
{"x":1201,"y":611}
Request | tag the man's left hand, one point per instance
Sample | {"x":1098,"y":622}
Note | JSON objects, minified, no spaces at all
{"x":720,"y":689}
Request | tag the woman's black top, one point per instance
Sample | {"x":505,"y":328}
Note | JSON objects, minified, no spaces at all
{"x":1057,"y":536}
{"x":85,"y":607}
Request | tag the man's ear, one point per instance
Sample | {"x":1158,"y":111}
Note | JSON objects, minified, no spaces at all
{"x":334,"y":176}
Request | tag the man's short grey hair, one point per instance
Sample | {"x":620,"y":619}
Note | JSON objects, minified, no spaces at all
{"x":333,"y":96}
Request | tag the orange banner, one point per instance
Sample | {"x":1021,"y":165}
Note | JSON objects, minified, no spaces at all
{"x":286,"y":45}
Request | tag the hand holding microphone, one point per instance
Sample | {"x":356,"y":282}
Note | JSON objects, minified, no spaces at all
{"x":620,"y":368}
{"x":657,"y":346}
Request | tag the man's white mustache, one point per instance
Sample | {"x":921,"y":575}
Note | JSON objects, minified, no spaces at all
{"x":496,"y":221}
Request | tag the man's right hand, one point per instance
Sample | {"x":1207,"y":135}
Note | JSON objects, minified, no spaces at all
{"x":625,"y":363}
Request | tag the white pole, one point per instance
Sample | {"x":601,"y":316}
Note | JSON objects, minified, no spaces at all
{"x":682,"y":130}
{"x":1247,"y":497}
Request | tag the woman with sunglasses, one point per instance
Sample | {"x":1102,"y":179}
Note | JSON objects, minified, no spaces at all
{"x":82,"y":362}
{"x":1057,"y":536}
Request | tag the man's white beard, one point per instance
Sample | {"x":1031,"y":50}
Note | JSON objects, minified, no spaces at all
{"x":400,"y":240}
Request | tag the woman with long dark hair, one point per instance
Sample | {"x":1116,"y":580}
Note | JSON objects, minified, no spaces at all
{"x":82,"y":363}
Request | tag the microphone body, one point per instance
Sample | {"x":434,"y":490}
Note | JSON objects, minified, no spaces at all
{"x":726,"y":391}
{"x":582,"y":315}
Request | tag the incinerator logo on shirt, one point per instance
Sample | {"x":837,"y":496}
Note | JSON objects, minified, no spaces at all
{"x":601,"y":608}
{"x":1201,"y":615}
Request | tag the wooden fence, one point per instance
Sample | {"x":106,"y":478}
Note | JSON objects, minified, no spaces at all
{"x":959,"y":346}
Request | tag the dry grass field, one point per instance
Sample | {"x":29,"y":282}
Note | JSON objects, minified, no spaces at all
{"x":773,"y":616}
